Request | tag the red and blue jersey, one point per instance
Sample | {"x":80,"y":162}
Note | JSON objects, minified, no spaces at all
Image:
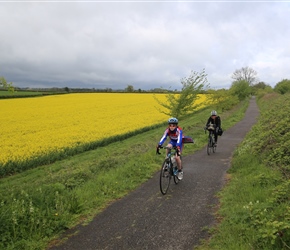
{"x":175,"y":137}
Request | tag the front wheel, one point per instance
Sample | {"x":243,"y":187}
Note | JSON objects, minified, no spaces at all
{"x":209,"y":144}
{"x":165,"y":176}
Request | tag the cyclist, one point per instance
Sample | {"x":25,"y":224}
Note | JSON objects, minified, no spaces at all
{"x":175,"y":134}
{"x":216,"y":120}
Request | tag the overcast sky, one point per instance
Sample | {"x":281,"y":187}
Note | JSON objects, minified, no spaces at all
{"x":147,"y":44}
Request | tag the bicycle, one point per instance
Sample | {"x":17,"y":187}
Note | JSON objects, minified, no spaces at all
{"x":211,"y":146}
{"x":168,"y":170}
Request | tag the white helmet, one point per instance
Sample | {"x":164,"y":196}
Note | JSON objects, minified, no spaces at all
{"x":213,"y":112}
{"x":172,"y":120}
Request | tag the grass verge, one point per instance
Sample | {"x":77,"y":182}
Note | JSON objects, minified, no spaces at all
{"x":39,"y":204}
{"x":254,"y":210}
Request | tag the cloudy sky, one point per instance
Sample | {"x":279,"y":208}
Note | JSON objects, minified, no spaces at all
{"x":147,"y":44}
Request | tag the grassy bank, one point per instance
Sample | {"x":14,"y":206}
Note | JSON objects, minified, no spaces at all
{"x":254,"y":208}
{"x":4,"y":94}
{"x":38,"y":204}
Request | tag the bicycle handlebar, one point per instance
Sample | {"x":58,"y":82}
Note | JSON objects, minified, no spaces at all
{"x":157,"y":150}
{"x":174,"y":148}
{"x":209,"y":127}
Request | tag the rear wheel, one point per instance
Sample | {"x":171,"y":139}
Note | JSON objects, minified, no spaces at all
{"x":165,"y":177}
{"x":175,"y":178}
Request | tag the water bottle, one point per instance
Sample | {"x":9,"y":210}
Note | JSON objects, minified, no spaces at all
{"x":173,"y":160}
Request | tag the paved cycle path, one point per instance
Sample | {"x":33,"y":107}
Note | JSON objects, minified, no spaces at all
{"x":146,"y":219}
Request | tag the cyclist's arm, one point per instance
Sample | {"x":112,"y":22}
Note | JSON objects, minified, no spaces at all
{"x":219,"y":122}
{"x":208,"y":122}
{"x":179,"y":140}
{"x":163,"y":138}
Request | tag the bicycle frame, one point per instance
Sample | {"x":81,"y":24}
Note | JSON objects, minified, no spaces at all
{"x":171,"y":156}
{"x":168,"y":170}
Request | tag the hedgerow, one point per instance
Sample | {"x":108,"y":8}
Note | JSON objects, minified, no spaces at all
{"x":268,"y":144}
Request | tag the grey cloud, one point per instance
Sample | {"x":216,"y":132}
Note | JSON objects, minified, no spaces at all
{"x":143,"y":44}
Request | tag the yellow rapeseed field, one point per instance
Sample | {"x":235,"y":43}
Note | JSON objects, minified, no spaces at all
{"x":40,"y":125}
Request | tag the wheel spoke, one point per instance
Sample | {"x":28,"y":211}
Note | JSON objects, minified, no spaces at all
{"x":165,"y":177}
{"x":176,"y":180}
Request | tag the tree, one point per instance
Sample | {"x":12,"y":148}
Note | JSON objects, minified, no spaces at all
{"x":108,"y":90}
{"x":241,"y":89}
{"x":283,"y":86}
{"x":247,"y":74}
{"x":222,"y":98}
{"x":129,"y":88}
{"x":179,"y":105}
{"x":260,"y":87}
{"x":5,"y":85}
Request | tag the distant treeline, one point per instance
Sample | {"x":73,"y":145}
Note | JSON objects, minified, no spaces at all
{"x":48,"y":91}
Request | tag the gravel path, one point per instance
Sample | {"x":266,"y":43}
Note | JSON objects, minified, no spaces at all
{"x":146,"y":219}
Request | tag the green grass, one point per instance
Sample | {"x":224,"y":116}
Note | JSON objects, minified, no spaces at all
{"x":254,"y":209}
{"x":19,"y":93}
{"x":4,"y":94}
{"x":38,"y":204}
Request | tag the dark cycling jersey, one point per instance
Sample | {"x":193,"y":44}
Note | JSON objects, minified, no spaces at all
{"x":216,"y":121}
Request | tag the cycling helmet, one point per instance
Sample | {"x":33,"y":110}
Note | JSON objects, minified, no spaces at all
{"x":213,"y":112}
{"x":172,"y":120}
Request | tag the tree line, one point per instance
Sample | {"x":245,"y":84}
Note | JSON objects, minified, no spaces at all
{"x":245,"y":83}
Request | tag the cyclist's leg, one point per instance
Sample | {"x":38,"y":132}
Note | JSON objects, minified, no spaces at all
{"x":215,"y":136}
{"x":169,"y":145}
{"x":179,"y":166}
{"x":178,"y":159}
